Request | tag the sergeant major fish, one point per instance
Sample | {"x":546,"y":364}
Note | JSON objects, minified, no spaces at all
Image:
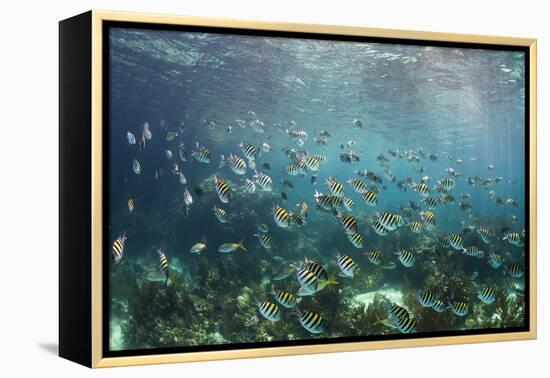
{"x":222,"y":189}
{"x":118,"y":248}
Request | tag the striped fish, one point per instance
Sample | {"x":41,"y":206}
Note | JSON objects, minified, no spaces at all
{"x":323,"y":200}
{"x":202,"y":155}
{"x":439,"y":306}
{"x":349,"y":204}
{"x":136,"y":166}
{"x":118,"y":248}
{"x":222,"y":189}
{"x":375,"y":257}
{"x":405,"y":257}
{"x":473,"y":251}
{"x":447,"y":183}
{"x":447,"y":199}
{"x":406,"y":325}
{"x":163,"y":260}
{"x":415,"y":226}
{"x":270,"y":311}
{"x":373,"y":188}
{"x":370,"y":198}
{"x":422,"y":188}
{"x":346,"y":265}
{"x":337,"y":201}
{"x":257,"y":125}
{"x":263,"y":180}
{"x":465,"y":206}
{"x":428,"y":218}
{"x":252,"y":164}
{"x":309,"y":283}
{"x":130,"y":137}
{"x":236,"y":164}
{"x":426,"y":298}
{"x":402,"y":186}
{"x":373,"y":177}
{"x":432,"y":202}
{"x":312,"y":162}
{"x":487,"y":295}
{"x":348,"y":222}
{"x":248,"y":150}
{"x":296,"y":219}
{"x":281,"y":216}
{"x":131,"y":205}
{"x":514,"y":238}
{"x":265,"y":240}
{"x":456,"y":241}
{"x":379,"y":228}
{"x":147,"y":134}
{"x":220,"y":214}
{"x":356,"y":239}
{"x":407,"y":212}
{"x":302,"y":167}
{"x":287,"y":184}
{"x":495,"y":260}
{"x":485,"y":234}
{"x":514,"y":270}
{"x":321,"y":158}
{"x":349,"y":157}
{"x":292,"y":170}
{"x":459,"y":308}
{"x":512,"y":288}
{"x":316,"y":269}
{"x":390,"y":221}
{"x":397,"y":312}
{"x":263,"y":228}
{"x":335,"y":187}
{"x":312,"y":322}
{"x":284,"y":298}
{"x":430,"y":253}
{"x":358,"y":185}
{"x":250,"y":186}
{"x":297,"y":134}
{"x":304,"y":208}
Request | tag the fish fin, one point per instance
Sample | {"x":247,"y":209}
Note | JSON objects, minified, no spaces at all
{"x":303,"y":291}
{"x":329,"y":281}
{"x":241,"y":246}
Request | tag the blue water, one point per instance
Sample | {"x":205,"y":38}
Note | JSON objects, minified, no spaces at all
{"x":465,"y":106}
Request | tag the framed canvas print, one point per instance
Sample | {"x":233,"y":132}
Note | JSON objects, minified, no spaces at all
{"x":235,"y":189}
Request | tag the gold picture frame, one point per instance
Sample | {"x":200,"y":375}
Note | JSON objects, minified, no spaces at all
{"x":92,"y":22}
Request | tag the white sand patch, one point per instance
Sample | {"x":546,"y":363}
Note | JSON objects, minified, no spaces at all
{"x":366,"y":299}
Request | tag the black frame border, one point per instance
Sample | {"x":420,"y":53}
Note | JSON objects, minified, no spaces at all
{"x":105,"y":45}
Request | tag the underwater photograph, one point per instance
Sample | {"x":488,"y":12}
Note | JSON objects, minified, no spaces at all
{"x":271,"y":189}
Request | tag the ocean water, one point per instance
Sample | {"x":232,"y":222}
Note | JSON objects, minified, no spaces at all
{"x":400,"y":118}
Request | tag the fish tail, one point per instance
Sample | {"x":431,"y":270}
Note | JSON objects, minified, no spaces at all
{"x":331,"y":281}
{"x":241,"y":246}
{"x":379,"y":321}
